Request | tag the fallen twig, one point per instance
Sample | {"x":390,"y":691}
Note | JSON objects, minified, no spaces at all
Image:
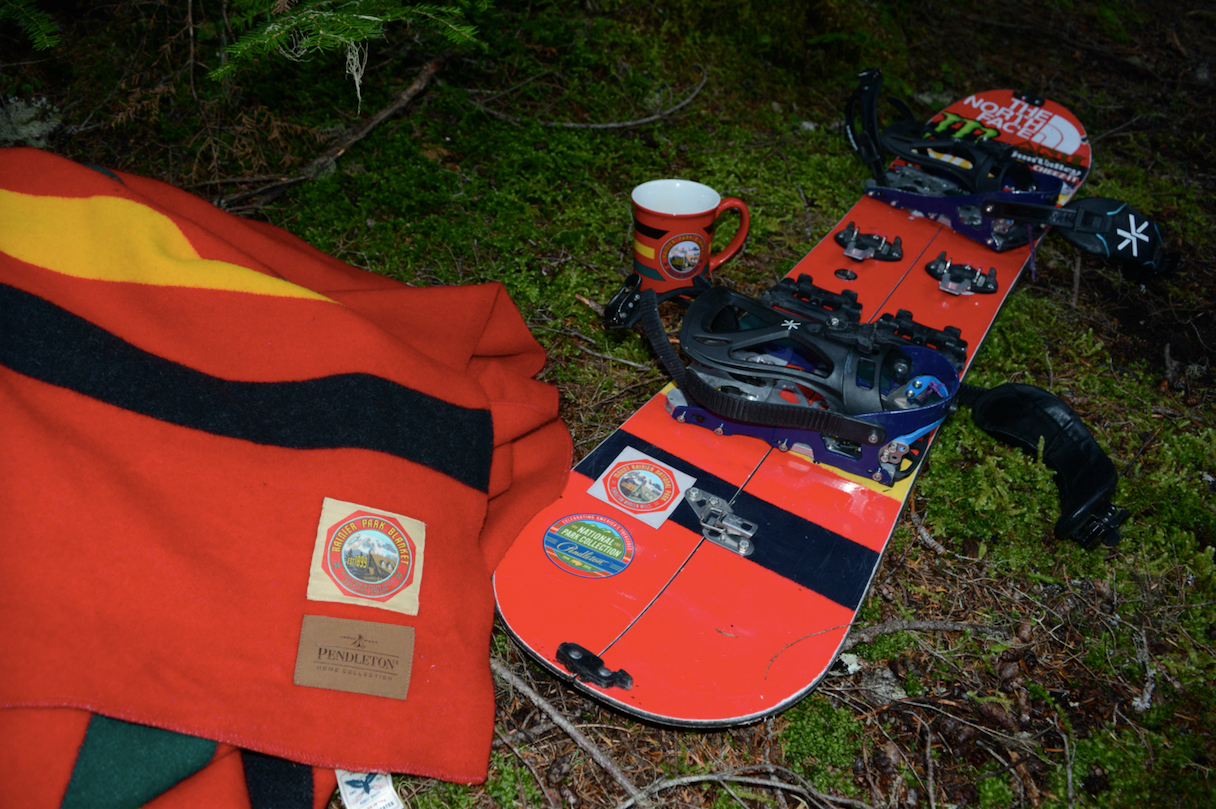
{"x":1132,"y":463}
{"x":928,"y":760}
{"x":925,"y":537}
{"x":893,"y":625}
{"x":797,"y":785}
{"x":261,"y":178}
{"x":1068,"y":757}
{"x":598,"y":308}
{"x":268,"y":193}
{"x":524,"y":735}
{"x":1025,"y":743}
{"x":658,"y":116}
{"x":597,"y":755}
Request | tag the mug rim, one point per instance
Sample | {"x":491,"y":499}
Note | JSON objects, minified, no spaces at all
{"x":684,"y":210}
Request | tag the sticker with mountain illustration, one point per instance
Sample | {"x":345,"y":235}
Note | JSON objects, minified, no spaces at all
{"x":367,"y":556}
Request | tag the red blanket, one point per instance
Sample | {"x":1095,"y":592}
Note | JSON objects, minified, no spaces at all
{"x":217,"y":442}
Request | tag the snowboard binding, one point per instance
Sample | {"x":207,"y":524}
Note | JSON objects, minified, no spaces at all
{"x":799,"y":370}
{"x":949,"y":169}
{"x":954,"y":171}
{"x":807,"y":377}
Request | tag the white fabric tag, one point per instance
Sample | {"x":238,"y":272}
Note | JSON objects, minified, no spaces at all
{"x":367,"y":790}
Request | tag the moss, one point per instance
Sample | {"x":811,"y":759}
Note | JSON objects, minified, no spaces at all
{"x":509,"y":781}
{"x":994,"y":792}
{"x":885,"y":647}
{"x":821,"y":742}
{"x":1136,"y":767}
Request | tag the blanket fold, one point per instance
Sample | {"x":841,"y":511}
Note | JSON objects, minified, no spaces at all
{"x":211,"y":430}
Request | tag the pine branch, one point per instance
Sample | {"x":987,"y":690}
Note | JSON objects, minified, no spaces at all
{"x":39,"y":26}
{"x":296,"y":31}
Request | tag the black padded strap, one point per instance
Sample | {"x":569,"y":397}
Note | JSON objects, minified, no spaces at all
{"x":1025,"y":415}
{"x":652,"y":325}
{"x":790,"y":417}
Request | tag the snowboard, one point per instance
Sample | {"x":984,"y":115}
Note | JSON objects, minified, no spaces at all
{"x":698,"y":576}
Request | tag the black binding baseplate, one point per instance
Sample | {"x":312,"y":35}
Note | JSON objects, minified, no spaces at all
{"x":801,"y":296}
{"x":796,"y":371}
{"x":961,"y":279}
{"x":838,"y":310}
{"x":860,"y":246}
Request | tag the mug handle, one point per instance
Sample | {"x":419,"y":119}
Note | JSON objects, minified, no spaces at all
{"x":741,"y":234}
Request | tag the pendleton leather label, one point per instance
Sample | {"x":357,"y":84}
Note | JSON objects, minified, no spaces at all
{"x":361,"y":657}
{"x":368,"y":557}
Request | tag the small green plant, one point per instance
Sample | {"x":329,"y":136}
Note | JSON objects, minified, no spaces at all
{"x":994,"y":792}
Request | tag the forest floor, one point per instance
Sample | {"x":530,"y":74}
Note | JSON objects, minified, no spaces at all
{"x":1097,"y":688}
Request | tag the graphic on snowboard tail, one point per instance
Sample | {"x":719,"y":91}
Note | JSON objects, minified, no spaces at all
{"x":761,"y":491}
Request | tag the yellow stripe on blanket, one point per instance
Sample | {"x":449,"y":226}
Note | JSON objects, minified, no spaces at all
{"x":114,"y":239}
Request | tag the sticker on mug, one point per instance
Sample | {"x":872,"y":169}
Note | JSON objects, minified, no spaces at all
{"x":641,"y":486}
{"x":681,"y":255}
{"x":589,"y":545}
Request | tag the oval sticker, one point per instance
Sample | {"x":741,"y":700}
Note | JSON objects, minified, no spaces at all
{"x":589,"y":545}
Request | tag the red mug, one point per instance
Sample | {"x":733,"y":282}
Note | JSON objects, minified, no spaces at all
{"x":673,"y":228}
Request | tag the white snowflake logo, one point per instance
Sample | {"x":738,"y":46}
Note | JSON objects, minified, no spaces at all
{"x":790,"y":324}
{"x":1133,"y":236}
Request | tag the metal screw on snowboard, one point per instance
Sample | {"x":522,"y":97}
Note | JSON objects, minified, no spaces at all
{"x":961,"y":279}
{"x":860,"y":246}
{"x":719,"y":523}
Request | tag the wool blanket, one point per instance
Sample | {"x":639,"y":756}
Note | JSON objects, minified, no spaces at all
{"x":250,"y":494}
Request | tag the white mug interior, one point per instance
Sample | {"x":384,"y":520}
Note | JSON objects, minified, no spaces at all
{"x":676,"y":197}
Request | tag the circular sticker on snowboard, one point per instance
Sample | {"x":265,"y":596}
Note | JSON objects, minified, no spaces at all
{"x":681,"y":255}
{"x":640,"y":486}
{"x":369,"y":555}
{"x":589,"y":545}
